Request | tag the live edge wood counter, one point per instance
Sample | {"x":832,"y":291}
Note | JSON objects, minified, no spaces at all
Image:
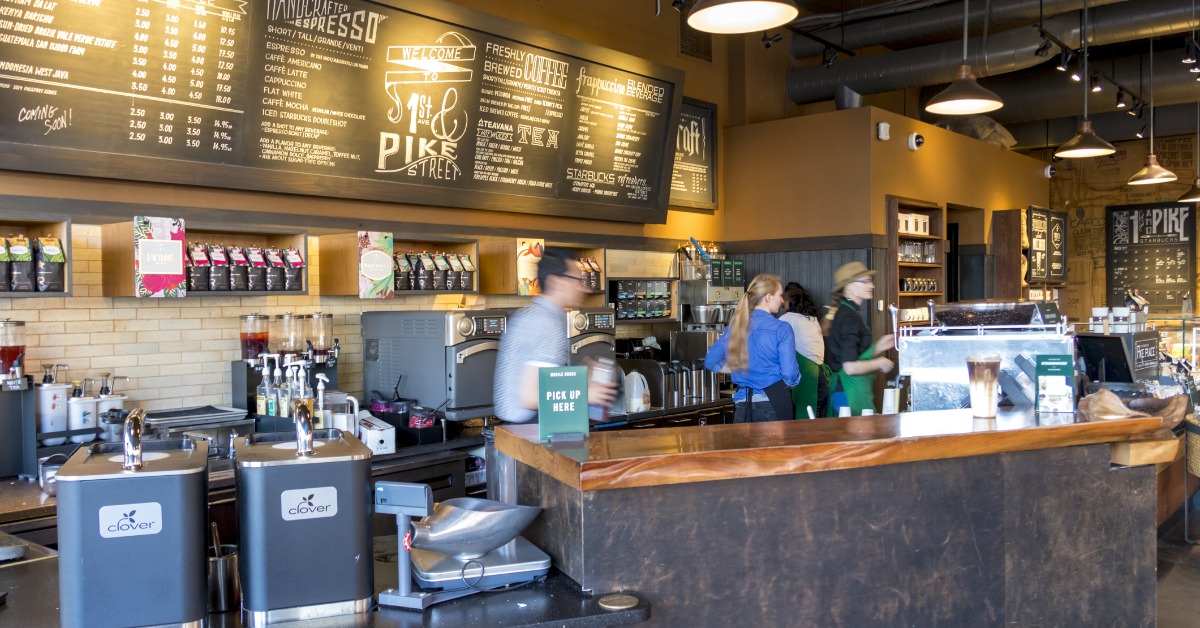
{"x":919,"y":519}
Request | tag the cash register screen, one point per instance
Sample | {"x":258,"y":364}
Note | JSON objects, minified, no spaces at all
{"x":1105,"y":358}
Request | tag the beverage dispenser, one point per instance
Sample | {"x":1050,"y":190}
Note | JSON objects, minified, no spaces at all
{"x":304,"y":511}
{"x":255,"y":335}
{"x":12,"y":347}
{"x":320,"y":338}
{"x":288,"y":336}
{"x":131,"y":532}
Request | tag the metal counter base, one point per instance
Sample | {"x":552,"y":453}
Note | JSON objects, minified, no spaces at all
{"x":258,"y":619}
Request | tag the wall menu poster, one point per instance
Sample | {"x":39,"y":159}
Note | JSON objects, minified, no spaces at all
{"x":1057,"y":253}
{"x":415,"y":100}
{"x":1039,"y":244}
{"x":694,"y":175}
{"x":1151,"y":249}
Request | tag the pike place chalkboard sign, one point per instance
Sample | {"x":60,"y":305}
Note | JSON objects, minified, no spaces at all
{"x":411,"y":101}
{"x":1151,"y":249}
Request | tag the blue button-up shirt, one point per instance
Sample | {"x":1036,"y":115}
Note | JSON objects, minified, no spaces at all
{"x":772,"y":348}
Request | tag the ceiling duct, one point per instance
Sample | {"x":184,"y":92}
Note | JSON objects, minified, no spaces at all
{"x":909,"y":27}
{"x":1006,"y":51}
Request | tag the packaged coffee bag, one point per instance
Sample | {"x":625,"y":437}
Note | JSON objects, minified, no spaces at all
{"x":467,"y":281}
{"x":454,"y":277}
{"x":21,"y":271}
{"x":51,"y":265}
{"x":256,"y":274}
{"x":239,"y":269}
{"x":197,"y":270}
{"x":218,"y":272}
{"x":275,"y":266}
{"x":422,"y":275}
{"x":293,"y":270}
{"x":403,"y":271}
{"x":441,"y":271}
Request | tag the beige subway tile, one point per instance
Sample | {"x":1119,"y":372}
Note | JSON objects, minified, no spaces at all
{"x":115,"y":362}
{"x":91,"y":350}
{"x":63,"y":340}
{"x":218,"y":389}
{"x":136,"y":325}
{"x":89,"y":303}
{"x":49,"y":315}
{"x":36,"y":329}
{"x":219,"y":322}
{"x":139,"y":348}
{"x":139,"y":373}
{"x":156,"y":359}
{"x":158,"y":336}
{"x":85,"y":253}
{"x":182,"y":323}
{"x":159,"y":313}
{"x":161,"y":382}
{"x":195,"y":334}
{"x":115,"y":314}
{"x":90,"y":326}
{"x":34,"y":355}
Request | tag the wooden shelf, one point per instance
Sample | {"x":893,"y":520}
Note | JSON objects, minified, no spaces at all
{"x":631,"y":321}
{"x":339,"y":262}
{"x":917,"y":265}
{"x":920,"y":294}
{"x":894,"y":276}
{"x":117,"y":242}
{"x":917,"y":236}
{"x":498,"y":266}
{"x":34,"y":227}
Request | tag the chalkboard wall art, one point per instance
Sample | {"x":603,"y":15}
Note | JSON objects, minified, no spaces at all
{"x":1151,"y":249}
{"x":694,"y":175}
{"x":1039,"y":244}
{"x":411,"y":101}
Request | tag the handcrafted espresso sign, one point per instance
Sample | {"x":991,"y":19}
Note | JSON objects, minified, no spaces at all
{"x":419,"y":101}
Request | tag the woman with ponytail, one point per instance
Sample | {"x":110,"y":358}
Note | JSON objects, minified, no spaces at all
{"x":760,"y":353}
{"x":849,"y":352}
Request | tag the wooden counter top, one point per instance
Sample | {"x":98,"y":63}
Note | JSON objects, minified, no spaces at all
{"x":678,"y":455}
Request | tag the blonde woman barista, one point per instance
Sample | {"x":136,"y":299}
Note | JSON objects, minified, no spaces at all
{"x":760,"y":353}
{"x":849,"y":352}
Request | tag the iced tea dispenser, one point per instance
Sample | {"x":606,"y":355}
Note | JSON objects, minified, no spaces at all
{"x":12,"y":344}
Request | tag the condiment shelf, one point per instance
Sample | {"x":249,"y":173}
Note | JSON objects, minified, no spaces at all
{"x":498,"y":262}
{"x":352,"y":265}
{"x":120,"y":240}
{"x":37,"y":227}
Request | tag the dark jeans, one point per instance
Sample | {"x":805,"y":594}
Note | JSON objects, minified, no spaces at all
{"x":762,"y":412}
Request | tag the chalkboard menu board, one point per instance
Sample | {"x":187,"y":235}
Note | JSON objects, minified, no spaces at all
{"x":1151,"y":249}
{"x":694,"y":176}
{"x":413,"y":101}
{"x":1039,"y":244}
{"x":1057,"y":248}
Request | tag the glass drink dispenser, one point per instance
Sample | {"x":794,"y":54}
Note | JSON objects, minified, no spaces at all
{"x":12,"y":344}
{"x":288,"y":335}
{"x":320,"y":334}
{"x":255,"y":335}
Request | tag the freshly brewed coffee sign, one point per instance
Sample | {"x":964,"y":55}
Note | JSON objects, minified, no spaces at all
{"x":419,"y":101}
{"x":1151,"y":250}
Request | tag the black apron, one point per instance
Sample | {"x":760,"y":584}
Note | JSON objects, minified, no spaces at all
{"x":780,"y":398}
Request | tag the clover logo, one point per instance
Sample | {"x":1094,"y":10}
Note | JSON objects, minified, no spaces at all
{"x":127,"y":516}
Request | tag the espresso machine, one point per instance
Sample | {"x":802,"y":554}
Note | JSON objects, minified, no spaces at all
{"x":709,"y":290}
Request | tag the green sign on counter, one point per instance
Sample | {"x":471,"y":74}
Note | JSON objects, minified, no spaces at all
{"x":1055,"y":383}
{"x":562,"y":400}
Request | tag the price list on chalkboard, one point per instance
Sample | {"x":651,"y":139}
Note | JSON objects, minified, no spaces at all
{"x":160,"y":79}
{"x":407,"y":96}
{"x":694,"y":175}
{"x":1151,"y":250}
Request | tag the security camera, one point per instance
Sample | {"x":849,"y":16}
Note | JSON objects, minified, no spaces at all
{"x":1049,"y":171}
{"x":915,"y":141}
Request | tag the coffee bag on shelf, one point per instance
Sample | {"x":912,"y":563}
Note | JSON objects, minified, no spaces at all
{"x":293,"y":270}
{"x":198,"y":265}
{"x":467,"y":280}
{"x":422,"y":275}
{"x":239,"y":269}
{"x":441,"y":269}
{"x":51,"y":265}
{"x":275,"y":266}
{"x":256,"y":273}
{"x":21,"y":272}
{"x":403,"y":271}
{"x":218,"y":271}
{"x":454,"y":277}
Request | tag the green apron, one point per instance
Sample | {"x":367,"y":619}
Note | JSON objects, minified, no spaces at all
{"x":859,"y":389}
{"x":804,"y":394}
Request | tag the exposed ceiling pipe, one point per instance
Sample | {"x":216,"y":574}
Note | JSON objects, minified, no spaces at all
{"x":942,"y":20}
{"x":1057,"y":96}
{"x":1007,"y":51}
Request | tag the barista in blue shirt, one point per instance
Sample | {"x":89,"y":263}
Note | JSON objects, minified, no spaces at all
{"x":760,"y":353}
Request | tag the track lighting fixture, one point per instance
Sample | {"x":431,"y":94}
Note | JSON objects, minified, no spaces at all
{"x":1191,"y":53}
{"x":1077,"y":75}
{"x":1141,"y":134}
{"x":1136,"y":111}
{"x":1195,"y":69}
{"x":828,"y":56}
{"x":1121,"y":104}
{"x":1064,"y":61}
{"x":1043,"y":49}
{"x":768,"y":39}
{"x":1097,"y":86}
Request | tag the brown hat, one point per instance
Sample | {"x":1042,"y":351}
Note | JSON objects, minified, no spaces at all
{"x":849,"y":272}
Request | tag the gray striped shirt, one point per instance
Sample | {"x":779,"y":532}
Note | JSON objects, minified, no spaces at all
{"x":536,"y":335}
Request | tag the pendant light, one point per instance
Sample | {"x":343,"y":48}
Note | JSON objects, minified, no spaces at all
{"x":964,"y":96}
{"x":1152,"y":173}
{"x":1085,"y":143}
{"x":1193,"y":195}
{"x":728,"y":17}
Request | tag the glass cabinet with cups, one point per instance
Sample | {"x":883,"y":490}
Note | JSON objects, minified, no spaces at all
{"x":916,"y":254}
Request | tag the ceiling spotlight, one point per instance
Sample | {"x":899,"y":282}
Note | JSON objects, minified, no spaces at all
{"x":1064,"y":61}
{"x":1141,"y":134}
{"x":679,"y":5}
{"x":1043,"y":49}
{"x":1076,"y":75}
{"x":1136,"y":111}
{"x":768,"y":39}
{"x":1190,"y":51}
{"x":740,"y":16}
{"x":1097,"y":86}
{"x":828,"y":56}
{"x":1121,"y":104}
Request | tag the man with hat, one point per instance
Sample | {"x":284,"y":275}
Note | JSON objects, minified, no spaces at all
{"x":849,"y":352}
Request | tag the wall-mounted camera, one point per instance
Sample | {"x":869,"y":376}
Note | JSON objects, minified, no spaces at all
{"x":915,"y":141}
{"x":1049,"y":171}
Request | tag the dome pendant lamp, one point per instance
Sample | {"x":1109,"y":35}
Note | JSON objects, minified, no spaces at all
{"x":1085,"y":143}
{"x":1152,"y":173}
{"x":727,"y":17}
{"x":964,"y":96}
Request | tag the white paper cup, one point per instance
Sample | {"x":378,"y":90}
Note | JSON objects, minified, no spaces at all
{"x":844,"y":411}
{"x":868,"y":412}
{"x":889,"y":401}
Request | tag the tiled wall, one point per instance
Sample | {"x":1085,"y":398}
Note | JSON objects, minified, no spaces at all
{"x":177,"y":352}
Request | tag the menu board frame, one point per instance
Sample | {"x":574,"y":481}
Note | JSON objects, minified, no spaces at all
{"x":1038,"y":226}
{"x":706,"y":113}
{"x":40,"y":158}
{"x":1165,"y":235}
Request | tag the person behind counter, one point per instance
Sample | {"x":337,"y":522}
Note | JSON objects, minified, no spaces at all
{"x":811,"y":394}
{"x":529,"y":343}
{"x":760,"y":353}
{"x":848,"y":348}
